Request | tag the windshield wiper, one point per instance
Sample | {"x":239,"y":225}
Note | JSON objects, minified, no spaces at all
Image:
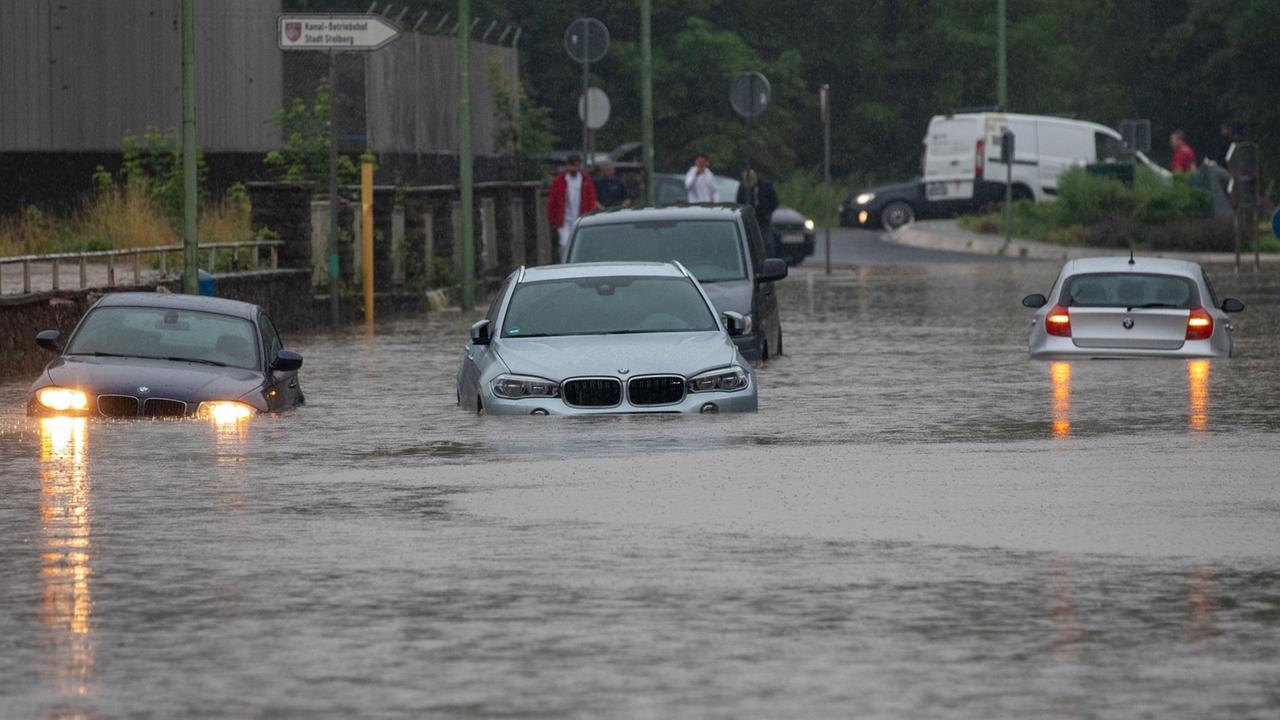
{"x":200,"y":361}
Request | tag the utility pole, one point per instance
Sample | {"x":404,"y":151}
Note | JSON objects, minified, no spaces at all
{"x":646,"y":97}
{"x":824,"y":102}
{"x":190,"y":261}
{"x":464,"y":156}
{"x":1002,"y":56}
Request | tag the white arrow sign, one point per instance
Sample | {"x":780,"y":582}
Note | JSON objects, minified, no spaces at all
{"x":335,"y":32}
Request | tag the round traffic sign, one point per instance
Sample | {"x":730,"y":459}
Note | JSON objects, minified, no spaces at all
{"x":1275,"y":223}
{"x":750,"y":94}
{"x":598,"y":104}
{"x":586,"y":40}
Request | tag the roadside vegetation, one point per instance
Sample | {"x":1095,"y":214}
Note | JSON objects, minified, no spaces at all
{"x":805,"y":191}
{"x":140,"y":206}
{"x":1096,"y":211}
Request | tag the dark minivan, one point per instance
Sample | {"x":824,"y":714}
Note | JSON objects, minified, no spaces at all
{"x":720,"y":245}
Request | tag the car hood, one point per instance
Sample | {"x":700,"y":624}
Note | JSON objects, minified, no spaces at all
{"x":187,"y":382}
{"x":907,"y":189}
{"x":557,"y":358}
{"x":734,"y":295}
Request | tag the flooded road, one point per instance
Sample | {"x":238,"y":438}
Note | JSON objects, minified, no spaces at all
{"x":918,"y":522}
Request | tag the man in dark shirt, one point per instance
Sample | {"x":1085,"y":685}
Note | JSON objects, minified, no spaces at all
{"x":611,"y":191}
{"x":760,"y":195}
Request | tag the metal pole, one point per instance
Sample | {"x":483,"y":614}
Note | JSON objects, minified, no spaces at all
{"x":464,"y":156}
{"x":366,"y":234}
{"x":646,"y":96}
{"x":586,"y":106}
{"x":826,"y":161}
{"x":334,"y":310}
{"x":751,"y":101}
{"x":1002,"y":70}
{"x":191,"y":269}
{"x":1008,"y":202}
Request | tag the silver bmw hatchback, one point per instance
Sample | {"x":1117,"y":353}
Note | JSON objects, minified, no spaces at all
{"x":596,"y":338}
{"x":1134,"y":307}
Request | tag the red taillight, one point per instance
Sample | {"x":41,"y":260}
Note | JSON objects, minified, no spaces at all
{"x":1199,"y":325}
{"x":979,"y":158}
{"x":1058,"y":322}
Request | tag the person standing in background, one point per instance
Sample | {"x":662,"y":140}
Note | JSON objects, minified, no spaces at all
{"x":758,"y":192}
{"x":611,"y":191}
{"x":1229,"y":136}
{"x":700,"y":182}
{"x":1184,"y":158}
{"x":572,"y":195}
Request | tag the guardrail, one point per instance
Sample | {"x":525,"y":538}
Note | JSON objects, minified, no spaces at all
{"x":56,"y":260}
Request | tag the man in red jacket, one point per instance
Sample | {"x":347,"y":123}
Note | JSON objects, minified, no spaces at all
{"x":572,"y":196}
{"x":1184,"y":158}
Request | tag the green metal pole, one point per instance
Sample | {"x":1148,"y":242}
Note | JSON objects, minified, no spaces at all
{"x":646,"y":96}
{"x":190,"y":264}
{"x":1002,"y":55}
{"x":464,"y":156}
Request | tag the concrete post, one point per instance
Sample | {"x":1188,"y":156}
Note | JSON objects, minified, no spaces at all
{"x":544,"y":232}
{"x":516,"y":208}
{"x":489,"y":233}
{"x":429,"y":249}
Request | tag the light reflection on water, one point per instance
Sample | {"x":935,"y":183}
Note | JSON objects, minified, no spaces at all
{"x":1198,"y":394}
{"x":66,"y":604}
{"x":1061,"y":374}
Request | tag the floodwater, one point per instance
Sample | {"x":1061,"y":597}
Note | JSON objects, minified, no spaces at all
{"x":918,"y":522}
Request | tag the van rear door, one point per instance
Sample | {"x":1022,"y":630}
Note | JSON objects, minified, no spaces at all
{"x":950,"y":156}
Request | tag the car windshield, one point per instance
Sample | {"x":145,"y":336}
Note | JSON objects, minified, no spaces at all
{"x":186,"y":335}
{"x":607,"y":306}
{"x":710,"y":249}
{"x":1129,"y":290}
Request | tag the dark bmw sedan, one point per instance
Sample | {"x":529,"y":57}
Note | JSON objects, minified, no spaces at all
{"x":161,"y":355}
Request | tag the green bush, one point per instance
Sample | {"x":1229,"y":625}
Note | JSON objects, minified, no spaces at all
{"x":805,"y":191}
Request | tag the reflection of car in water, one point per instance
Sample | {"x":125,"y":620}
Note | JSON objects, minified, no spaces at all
{"x":162,"y":355}
{"x":793,"y":233}
{"x":604,"y":338}
{"x":719,"y":244}
{"x":1143,"y":307}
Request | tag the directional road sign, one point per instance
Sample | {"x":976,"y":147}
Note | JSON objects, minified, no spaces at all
{"x":750,"y":94}
{"x":1275,"y":223}
{"x":599,"y":107}
{"x":335,"y":32}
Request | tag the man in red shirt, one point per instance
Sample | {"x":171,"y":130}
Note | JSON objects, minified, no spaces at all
{"x":1184,"y":158}
{"x":572,"y":196}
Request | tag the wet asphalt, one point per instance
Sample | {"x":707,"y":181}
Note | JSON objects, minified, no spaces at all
{"x":919,"y":522}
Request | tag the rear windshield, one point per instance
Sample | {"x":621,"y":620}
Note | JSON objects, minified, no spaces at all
{"x":710,"y":249}
{"x":1129,"y":290}
{"x":168,"y":334}
{"x":607,"y":306}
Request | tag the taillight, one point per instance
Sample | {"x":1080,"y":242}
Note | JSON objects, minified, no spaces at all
{"x":1199,"y":325}
{"x":1058,"y":322}
{"x":979,"y":158}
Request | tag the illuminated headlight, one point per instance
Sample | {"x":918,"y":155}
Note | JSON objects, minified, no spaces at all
{"x":62,"y":399}
{"x":808,"y":224}
{"x":723,"y":380}
{"x":862,"y":217}
{"x":225,"y":411}
{"x":865,"y":198}
{"x":515,"y":387}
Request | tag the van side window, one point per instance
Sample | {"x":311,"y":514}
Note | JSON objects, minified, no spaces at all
{"x":1108,"y":148}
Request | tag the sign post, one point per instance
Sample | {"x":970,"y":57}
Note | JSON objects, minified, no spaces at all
{"x":366,"y":234}
{"x":824,"y":105}
{"x":190,"y":262}
{"x":334,"y":34}
{"x":1007,"y":139}
{"x":586,"y":41}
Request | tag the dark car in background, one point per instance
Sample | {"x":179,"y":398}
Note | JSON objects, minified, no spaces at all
{"x":162,"y":355}
{"x":891,"y":206}
{"x":793,"y":233}
{"x":721,"y":247}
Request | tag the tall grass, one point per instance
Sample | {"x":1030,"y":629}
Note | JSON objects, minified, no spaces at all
{"x":819,"y":201}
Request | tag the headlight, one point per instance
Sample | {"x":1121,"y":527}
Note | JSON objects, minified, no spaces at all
{"x":865,"y":198}
{"x":862,"y":217}
{"x":62,"y":399}
{"x":723,"y":380}
{"x":808,"y":224}
{"x":516,"y":387}
{"x":225,"y":411}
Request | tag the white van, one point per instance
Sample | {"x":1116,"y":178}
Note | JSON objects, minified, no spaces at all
{"x":962,"y":155}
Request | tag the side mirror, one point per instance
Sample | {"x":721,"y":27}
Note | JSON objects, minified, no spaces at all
{"x":287,"y":361}
{"x":1035,"y":300}
{"x":1230,"y":305}
{"x":480,"y":333}
{"x":50,"y":340}
{"x":734,"y":323}
{"x":774,"y":269}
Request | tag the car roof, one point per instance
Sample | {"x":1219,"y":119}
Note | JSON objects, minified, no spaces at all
{"x":1120,"y":264}
{"x":176,"y":301}
{"x":664,"y":213}
{"x":601,"y":269}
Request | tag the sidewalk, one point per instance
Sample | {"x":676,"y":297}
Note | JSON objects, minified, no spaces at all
{"x":947,"y":235}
